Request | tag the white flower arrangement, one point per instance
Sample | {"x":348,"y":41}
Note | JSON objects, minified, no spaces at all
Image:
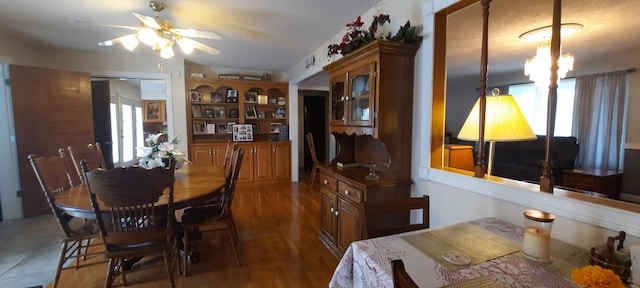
{"x":157,"y":154}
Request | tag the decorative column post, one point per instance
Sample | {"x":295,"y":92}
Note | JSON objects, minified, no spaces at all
{"x":480,"y":168}
{"x":546,"y":181}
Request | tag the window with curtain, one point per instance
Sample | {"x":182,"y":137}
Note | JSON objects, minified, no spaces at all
{"x":532,"y":101}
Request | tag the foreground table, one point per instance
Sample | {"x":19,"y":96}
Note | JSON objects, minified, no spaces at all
{"x":193,"y":184}
{"x":366,"y":263}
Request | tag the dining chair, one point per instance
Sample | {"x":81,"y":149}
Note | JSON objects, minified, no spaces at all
{"x":381,"y":218}
{"x":213,"y":217}
{"x":53,"y":176}
{"x":314,"y":157}
{"x":139,"y":227}
{"x":94,"y":157}
{"x":401,"y":278}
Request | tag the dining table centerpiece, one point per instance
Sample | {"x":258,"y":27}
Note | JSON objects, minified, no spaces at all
{"x":158,"y":153}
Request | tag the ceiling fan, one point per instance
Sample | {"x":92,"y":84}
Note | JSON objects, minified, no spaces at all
{"x":160,"y":34}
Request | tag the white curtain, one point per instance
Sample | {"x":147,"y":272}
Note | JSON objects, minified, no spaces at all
{"x":599,"y":120}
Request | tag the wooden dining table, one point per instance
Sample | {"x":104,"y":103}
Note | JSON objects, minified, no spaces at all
{"x":193,"y":184}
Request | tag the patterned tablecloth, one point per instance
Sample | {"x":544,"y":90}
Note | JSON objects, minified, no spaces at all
{"x":366,"y":263}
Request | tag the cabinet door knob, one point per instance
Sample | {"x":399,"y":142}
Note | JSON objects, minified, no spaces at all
{"x":326,"y":182}
{"x":213,"y":152}
{"x":342,"y":98}
{"x":346,"y":98}
{"x":346,"y":192}
{"x":337,"y":213}
{"x":331,"y":209}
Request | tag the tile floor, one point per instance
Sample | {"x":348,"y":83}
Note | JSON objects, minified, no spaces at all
{"x":29,"y":251}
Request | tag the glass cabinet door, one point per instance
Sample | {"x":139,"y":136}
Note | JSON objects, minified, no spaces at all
{"x":337,"y":95}
{"x":361,"y":100}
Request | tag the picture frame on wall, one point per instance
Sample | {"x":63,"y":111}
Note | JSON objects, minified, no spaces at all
{"x":208,"y":113}
{"x":219,"y":112}
{"x":232,"y":96}
{"x":242,"y":132}
{"x":250,"y":112}
{"x":222,"y":128}
{"x":211,"y":128}
{"x":263,"y":99}
{"x":233,"y":113}
{"x":251,"y":97}
{"x":274,"y":127}
{"x":216,"y":97}
{"x":230,"y":127}
{"x":195,"y":96}
{"x":196,"y":111}
{"x":199,"y":127}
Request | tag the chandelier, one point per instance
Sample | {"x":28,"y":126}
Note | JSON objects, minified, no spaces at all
{"x":538,"y":68}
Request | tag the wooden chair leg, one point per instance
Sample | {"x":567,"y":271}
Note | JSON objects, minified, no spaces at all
{"x":314,"y":171}
{"x":63,"y":252}
{"x":186,"y":249}
{"x":233,"y":243}
{"x":169,"y":266}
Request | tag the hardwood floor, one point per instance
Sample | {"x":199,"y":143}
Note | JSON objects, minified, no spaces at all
{"x":278,"y":229}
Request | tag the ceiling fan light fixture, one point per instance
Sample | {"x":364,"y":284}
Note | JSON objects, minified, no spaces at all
{"x":130,"y":42}
{"x":186,"y":45}
{"x":538,"y":68}
{"x":148,"y":36}
{"x":166,"y":52}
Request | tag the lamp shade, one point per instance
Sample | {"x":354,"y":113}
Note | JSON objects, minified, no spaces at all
{"x":504,"y":121}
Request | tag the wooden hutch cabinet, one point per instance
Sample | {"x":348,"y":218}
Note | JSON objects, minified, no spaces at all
{"x":371,"y":104}
{"x":215,"y":105}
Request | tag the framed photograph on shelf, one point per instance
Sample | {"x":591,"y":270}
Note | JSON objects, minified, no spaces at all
{"x":219,"y":112}
{"x":250,"y":112}
{"x":222,"y":128}
{"x":208,"y":113}
{"x":211,"y":128}
{"x":216,"y":96}
{"x":230,"y":126}
{"x":232,"y":96}
{"x":274,"y":127}
{"x":282,"y":101}
{"x":260,"y":114}
{"x":281,"y":112}
{"x":196,"y":96}
{"x":199,"y":127}
{"x":233,"y":113}
{"x":263,"y":99}
{"x":251,"y":97}
{"x":196,"y":111}
{"x":242,"y":132}
{"x":254,"y":126}
{"x":273,"y":101}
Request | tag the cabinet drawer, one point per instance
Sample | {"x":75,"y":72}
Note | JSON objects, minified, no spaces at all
{"x":349,"y":192}
{"x":581,"y":182}
{"x":328,"y":182}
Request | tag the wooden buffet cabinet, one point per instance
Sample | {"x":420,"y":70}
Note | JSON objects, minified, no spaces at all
{"x":262,"y":104}
{"x":371,"y":105}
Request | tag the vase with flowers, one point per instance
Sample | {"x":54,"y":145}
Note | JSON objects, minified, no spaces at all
{"x":158,"y":154}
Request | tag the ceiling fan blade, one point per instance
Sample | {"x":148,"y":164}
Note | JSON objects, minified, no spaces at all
{"x":107,"y":25}
{"x":147,"y":20}
{"x":198,"y":33}
{"x":115,"y":40}
{"x":203,"y":47}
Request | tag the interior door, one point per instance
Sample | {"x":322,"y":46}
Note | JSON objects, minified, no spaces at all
{"x":52,"y":109}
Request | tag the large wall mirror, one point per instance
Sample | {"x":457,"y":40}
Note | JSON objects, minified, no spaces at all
{"x":606,"y":43}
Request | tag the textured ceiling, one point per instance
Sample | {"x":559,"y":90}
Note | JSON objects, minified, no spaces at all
{"x":609,"y":27}
{"x":271,"y":35}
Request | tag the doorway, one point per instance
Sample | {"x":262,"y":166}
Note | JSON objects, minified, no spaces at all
{"x":315,"y":121}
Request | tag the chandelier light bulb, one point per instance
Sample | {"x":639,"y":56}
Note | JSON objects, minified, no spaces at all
{"x":538,"y":68}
